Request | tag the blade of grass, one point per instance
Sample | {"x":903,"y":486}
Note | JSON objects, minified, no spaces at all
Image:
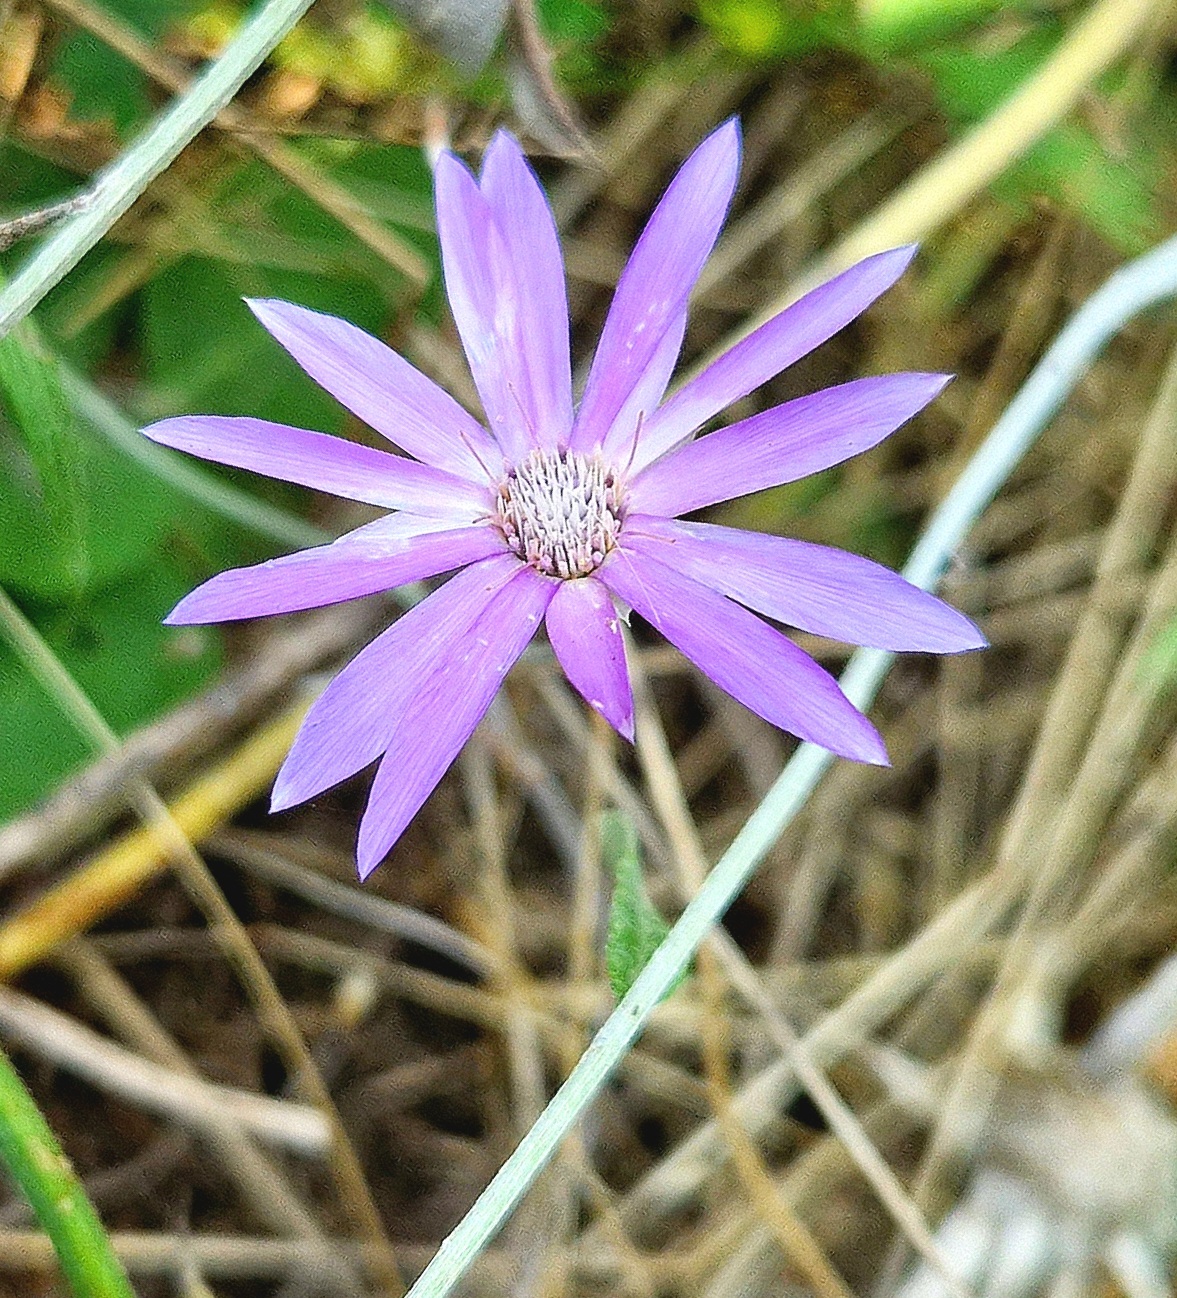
{"x":1142,"y":283}
{"x":33,"y":1157}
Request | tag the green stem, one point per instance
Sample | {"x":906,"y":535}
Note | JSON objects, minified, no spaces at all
{"x":33,"y":1156}
{"x":120,"y":184}
{"x":1144,"y":282}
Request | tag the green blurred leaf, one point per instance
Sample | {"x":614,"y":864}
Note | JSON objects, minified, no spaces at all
{"x":888,"y":24}
{"x":76,"y":514}
{"x":131,"y":666}
{"x":1112,"y":192}
{"x":635,"y":928}
{"x":762,"y":29}
{"x":100,"y":83}
{"x":43,"y":523}
{"x":42,"y":745}
{"x":205,"y":352}
{"x":1158,"y":665}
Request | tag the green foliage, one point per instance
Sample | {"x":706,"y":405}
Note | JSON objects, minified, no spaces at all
{"x":635,"y":928}
{"x":764,"y":29}
{"x":1114,"y":192}
{"x":1158,"y":666}
{"x":102,"y":84}
{"x":1109,"y":183}
{"x":87,"y":546}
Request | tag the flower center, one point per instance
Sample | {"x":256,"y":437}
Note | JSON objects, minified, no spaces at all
{"x":560,"y":512}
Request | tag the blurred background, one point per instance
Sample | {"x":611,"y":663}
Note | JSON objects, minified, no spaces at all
{"x":974,"y":941}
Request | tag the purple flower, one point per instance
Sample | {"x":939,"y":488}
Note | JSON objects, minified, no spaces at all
{"x":561,"y":513}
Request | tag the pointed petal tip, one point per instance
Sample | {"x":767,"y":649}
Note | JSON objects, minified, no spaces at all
{"x":266,"y":309}
{"x":282,"y":797}
{"x":503,"y":140}
{"x":366,"y":868}
{"x":727,"y":138}
{"x":866,"y":747}
{"x":179,"y":616}
{"x":373,"y":845}
{"x":730,"y":129}
{"x":971,"y":639}
{"x":156,"y":432}
{"x":904,"y":253}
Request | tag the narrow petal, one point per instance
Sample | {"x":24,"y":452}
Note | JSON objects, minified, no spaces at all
{"x":378,"y":556}
{"x":784,"y":339}
{"x":326,"y":463}
{"x":828,"y":592}
{"x":650,"y":304}
{"x":585,"y":631}
{"x":631,"y":418}
{"x":382,"y":388}
{"x":444,"y":713}
{"x":350,"y":723}
{"x":479,"y":284}
{"x":745,"y":656}
{"x":783,"y":444}
{"x":528,"y":229}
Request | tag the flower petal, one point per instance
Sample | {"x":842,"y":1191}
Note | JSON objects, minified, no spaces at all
{"x":795,"y":332}
{"x":330,"y":464}
{"x":634,"y":359}
{"x":783,"y":444}
{"x":382,"y":388}
{"x":818,"y":589}
{"x":745,"y":656}
{"x":585,"y":631}
{"x":445,"y":711}
{"x":539,"y":349}
{"x":378,"y":556}
{"x":350,"y":723}
{"x":479,"y":284}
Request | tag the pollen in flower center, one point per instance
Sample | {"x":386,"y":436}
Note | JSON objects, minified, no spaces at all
{"x":560,"y":512}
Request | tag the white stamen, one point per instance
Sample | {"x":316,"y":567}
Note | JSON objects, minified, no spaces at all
{"x":560,"y":512}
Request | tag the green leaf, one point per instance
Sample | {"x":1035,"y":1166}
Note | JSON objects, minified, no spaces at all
{"x":1112,"y":192}
{"x":768,"y":29}
{"x":42,"y":501}
{"x":890,"y":23}
{"x":100,"y":83}
{"x":205,"y":352}
{"x":1158,"y":664}
{"x":636,"y":929}
{"x":127,"y":662}
{"x":75,"y":513}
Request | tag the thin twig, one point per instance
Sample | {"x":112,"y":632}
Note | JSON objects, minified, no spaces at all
{"x":189,"y":1101}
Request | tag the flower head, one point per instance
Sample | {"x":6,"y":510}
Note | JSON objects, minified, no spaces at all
{"x":561,"y":513}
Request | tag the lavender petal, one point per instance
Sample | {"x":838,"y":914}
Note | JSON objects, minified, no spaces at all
{"x":585,"y":631}
{"x":783,"y":444}
{"x":351,"y":722}
{"x":379,"y":556}
{"x":795,"y":332}
{"x":633,"y":355}
{"x":828,"y":592}
{"x":382,"y":388}
{"x":444,"y":713}
{"x":539,"y":347}
{"x":329,"y":464}
{"x":745,"y":656}
{"x":478,"y":281}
